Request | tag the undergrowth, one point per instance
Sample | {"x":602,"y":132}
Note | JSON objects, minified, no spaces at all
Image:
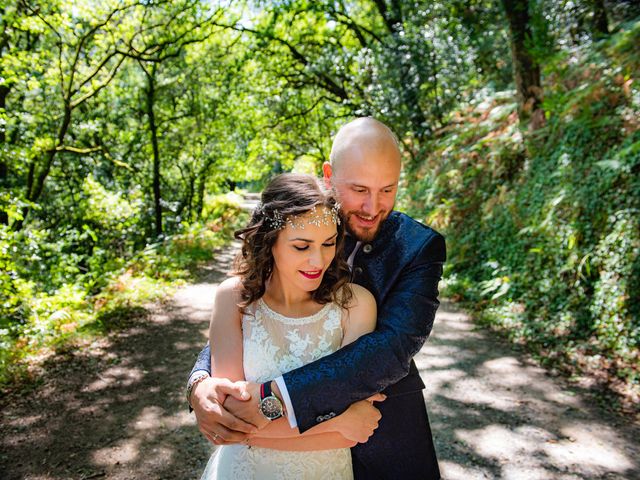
{"x":543,"y":228}
{"x":57,"y":300}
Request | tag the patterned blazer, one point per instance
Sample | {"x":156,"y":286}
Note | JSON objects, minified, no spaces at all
{"x":401,"y":267}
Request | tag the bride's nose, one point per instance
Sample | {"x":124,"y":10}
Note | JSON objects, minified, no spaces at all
{"x":315,"y":258}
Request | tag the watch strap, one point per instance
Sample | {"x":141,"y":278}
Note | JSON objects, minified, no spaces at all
{"x":265,"y":391}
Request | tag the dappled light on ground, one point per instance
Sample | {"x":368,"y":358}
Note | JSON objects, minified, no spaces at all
{"x":116,"y":408}
{"x":495,"y":414}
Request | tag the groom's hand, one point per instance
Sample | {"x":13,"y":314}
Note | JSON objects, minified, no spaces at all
{"x":249,"y":410}
{"x":360,"y":420}
{"x":214,"y":421}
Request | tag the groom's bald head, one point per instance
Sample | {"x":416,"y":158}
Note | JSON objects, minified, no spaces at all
{"x":364,"y":170}
{"x":364,"y":134}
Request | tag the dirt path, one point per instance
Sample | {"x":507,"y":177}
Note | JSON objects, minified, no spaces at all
{"x":495,"y":414}
{"x":116,"y":410}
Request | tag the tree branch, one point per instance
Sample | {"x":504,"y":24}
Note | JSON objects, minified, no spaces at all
{"x":104,"y":83}
{"x":323,"y":79}
{"x":70,"y":149}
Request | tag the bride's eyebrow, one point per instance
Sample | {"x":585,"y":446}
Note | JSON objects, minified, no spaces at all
{"x":298,"y":239}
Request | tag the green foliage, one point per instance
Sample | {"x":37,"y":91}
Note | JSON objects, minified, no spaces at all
{"x":121,"y":123}
{"x":54,"y":297}
{"x":544,"y":235}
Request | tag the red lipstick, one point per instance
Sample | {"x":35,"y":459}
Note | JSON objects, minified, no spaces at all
{"x":310,"y":275}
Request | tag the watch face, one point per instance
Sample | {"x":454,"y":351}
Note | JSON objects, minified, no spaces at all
{"x":271,"y":408}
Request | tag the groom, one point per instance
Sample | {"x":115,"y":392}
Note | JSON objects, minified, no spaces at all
{"x":400,"y":262}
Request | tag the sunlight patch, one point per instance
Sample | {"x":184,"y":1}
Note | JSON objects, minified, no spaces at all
{"x":127,"y":452}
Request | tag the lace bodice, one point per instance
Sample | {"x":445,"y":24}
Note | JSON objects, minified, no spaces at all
{"x":274,"y":344}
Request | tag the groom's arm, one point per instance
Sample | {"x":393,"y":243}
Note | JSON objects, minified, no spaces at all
{"x":329,"y":385}
{"x":326,"y":387}
{"x":203,"y":362}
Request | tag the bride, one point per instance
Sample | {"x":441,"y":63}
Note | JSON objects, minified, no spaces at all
{"x":289,"y":304}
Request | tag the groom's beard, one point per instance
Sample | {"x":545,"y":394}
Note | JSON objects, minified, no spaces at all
{"x":361,"y":233}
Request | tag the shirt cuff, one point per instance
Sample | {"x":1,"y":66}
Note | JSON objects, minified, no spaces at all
{"x":192,"y":376}
{"x":291,"y":415}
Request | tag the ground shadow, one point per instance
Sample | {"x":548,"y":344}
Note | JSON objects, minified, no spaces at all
{"x":496,"y":414}
{"x":116,"y":409}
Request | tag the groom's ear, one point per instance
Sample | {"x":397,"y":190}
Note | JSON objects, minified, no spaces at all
{"x":326,"y":173}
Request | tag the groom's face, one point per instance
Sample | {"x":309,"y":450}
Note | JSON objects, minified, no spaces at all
{"x":366,"y":180}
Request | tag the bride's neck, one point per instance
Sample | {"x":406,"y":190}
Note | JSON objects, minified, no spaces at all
{"x":286,"y":296}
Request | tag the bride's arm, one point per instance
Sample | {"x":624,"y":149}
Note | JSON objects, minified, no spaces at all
{"x":225,"y":332}
{"x":305,"y":442}
{"x":359,"y":420}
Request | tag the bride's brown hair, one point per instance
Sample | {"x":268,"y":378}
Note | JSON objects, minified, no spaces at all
{"x":287,"y":196}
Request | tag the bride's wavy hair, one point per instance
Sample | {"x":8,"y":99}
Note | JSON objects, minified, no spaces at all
{"x":286,"y":197}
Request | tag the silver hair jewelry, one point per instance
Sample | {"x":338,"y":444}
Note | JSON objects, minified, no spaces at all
{"x":315,"y":216}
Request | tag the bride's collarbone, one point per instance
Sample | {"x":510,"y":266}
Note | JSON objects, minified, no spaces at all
{"x":306,"y":308}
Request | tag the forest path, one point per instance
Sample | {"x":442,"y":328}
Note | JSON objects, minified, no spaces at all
{"x":495,"y":414}
{"x":116,"y":410}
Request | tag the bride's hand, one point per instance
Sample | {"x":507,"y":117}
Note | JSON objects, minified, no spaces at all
{"x":249,"y":411}
{"x":360,"y":420}
{"x":214,"y":421}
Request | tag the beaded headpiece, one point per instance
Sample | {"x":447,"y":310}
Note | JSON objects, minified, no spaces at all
{"x":323,"y":216}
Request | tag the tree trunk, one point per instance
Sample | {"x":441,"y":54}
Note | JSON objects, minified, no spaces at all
{"x":35,"y":183}
{"x":153,"y":129}
{"x":203,"y":175}
{"x":199,"y":195}
{"x":600,"y":22}
{"x":4,"y":169}
{"x":526,"y":70}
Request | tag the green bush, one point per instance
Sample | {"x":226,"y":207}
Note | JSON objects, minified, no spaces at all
{"x":89,"y":276}
{"x":543,"y":230}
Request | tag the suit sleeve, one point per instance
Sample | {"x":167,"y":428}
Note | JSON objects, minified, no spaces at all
{"x":329,"y":385}
{"x":203,"y":362}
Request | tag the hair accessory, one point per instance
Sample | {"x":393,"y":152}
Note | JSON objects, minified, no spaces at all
{"x":316,"y":216}
{"x":276,"y":221}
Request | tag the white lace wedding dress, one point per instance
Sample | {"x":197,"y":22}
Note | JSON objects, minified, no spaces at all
{"x":272,"y":345}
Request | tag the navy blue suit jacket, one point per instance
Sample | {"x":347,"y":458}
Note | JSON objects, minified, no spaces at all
{"x":401,"y":267}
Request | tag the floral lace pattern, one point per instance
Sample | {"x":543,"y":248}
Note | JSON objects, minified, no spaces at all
{"x":274,"y":344}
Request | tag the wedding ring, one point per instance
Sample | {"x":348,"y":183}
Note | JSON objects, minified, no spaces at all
{"x":215,"y":436}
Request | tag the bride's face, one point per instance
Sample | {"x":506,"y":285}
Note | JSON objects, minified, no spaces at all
{"x":302,"y":255}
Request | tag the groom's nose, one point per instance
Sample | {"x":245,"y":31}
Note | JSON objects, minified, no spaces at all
{"x":371,"y":204}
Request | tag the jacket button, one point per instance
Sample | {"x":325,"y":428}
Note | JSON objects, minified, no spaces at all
{"x":358,"y":270}
{"x":367,"y":248}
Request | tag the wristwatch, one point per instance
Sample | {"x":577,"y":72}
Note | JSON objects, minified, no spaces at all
{"x":270,"y":405}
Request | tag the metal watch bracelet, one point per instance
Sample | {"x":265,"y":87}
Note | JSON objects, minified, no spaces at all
{"x":191,"y":384}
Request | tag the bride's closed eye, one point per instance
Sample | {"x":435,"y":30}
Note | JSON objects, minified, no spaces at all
{"x":305,"y":247}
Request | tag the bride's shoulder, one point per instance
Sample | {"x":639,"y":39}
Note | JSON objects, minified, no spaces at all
{"x":361,"y":297}
{"x":229,"y":291}
{"x":360,"y":315}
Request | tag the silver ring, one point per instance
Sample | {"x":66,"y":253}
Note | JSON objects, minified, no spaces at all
{"x":215,"y":436}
